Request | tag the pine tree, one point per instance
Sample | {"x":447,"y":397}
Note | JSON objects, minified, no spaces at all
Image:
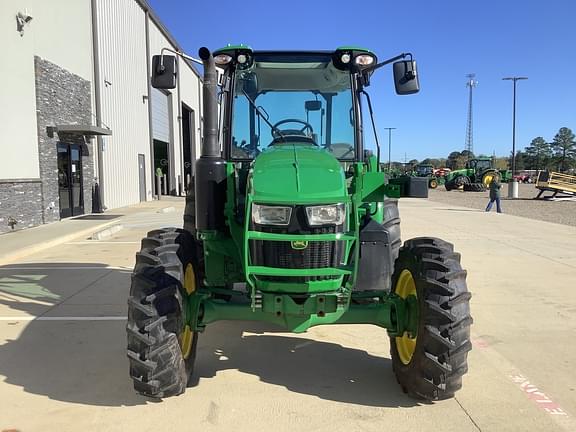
{"x":564,"y":147}
{"x":538,"y":154}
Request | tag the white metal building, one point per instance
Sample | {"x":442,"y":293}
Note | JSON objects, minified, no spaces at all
{"x":76,"y":108}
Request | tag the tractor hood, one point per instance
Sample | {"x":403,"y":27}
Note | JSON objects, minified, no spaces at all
{"x":300,"y":174}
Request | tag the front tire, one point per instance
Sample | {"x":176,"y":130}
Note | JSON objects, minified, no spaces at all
{"x":161,"y":347}
{"x":430,"y":364}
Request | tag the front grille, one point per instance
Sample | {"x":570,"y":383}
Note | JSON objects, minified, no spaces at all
{"x":281,"y":254}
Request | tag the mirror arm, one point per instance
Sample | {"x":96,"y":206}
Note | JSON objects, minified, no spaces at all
{"x":385,"y":62}
{"x":178,"y":53}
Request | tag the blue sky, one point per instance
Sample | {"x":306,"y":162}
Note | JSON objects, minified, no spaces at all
{"x":449,"y":39}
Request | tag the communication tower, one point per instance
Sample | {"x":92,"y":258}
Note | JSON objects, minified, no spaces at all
{"x":471,"y":84}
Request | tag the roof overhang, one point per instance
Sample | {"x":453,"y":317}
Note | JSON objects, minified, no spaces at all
{"x":86,"y":130}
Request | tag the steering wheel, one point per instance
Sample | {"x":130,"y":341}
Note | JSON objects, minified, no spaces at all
{"x":277,"y":133}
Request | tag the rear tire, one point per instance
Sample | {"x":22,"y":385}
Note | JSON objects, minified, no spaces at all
{"x":487,"y":177}
{"x":156,"y":321}
{"x":439,"y":358}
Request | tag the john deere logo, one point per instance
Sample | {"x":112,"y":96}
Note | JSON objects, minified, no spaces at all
{"x":299,"y":244}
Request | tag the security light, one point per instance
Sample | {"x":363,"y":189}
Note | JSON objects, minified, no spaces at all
{"x":22,"y":18}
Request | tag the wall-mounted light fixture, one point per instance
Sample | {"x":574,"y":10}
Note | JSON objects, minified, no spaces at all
{"x":22,"y":18}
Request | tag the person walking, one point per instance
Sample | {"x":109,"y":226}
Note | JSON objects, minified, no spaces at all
{"x":494,"y":194}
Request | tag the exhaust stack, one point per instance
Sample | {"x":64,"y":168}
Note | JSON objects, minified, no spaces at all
{"x":210,"y":147}
{"x":210,"y":175}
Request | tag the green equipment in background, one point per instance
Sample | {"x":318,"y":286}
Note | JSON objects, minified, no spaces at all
{"x":427,"y":170}
{"x":477,"y":175}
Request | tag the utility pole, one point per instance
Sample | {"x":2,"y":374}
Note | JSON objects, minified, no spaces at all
{"x":471,"y":84}
{"x":389,"y":129}
{"x":513,"y":191}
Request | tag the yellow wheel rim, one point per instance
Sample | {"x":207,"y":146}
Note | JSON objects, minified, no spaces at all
{"x":405,"y":345}
{"x":488,"y":179}
{"x":189,"y":280}
{"x":187,"y":335}
{"x":186,"y":339}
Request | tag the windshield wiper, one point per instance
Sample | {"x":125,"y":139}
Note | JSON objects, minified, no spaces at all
{"x":262,"y":116}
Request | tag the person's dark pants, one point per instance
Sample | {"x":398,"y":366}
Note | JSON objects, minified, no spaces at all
{"x":498,"y":208}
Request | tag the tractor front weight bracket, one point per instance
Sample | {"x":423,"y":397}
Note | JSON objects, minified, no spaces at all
{"x":298,"y":315}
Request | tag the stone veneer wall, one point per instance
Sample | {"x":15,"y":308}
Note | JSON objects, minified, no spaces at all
{"x":62,"y":98}
{"x":20,"y":200}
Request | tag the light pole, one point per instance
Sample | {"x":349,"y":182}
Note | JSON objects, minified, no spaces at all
{"x":513,"y":191}
{"x":389,"y":148}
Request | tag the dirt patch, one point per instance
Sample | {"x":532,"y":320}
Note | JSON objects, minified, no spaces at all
{"x":561,"y":212}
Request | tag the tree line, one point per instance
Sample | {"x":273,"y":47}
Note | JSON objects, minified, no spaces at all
{"x":557,"y":155}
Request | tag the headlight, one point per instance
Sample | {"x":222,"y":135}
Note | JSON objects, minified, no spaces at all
{"x":326,"y":214}
{"x":345,"y":58}
{"x":364,"y":60}
{"x":222,"y":59}
{"x":271,"y":215}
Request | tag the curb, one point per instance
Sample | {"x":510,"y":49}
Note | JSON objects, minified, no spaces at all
{"x":21,"y":253}
{"x":167,"y":210}
{"x":106,"y":232}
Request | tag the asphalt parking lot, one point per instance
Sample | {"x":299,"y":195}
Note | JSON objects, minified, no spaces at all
{"x":63,"y":365}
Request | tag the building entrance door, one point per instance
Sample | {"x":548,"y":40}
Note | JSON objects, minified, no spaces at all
{"x":70,"y":180}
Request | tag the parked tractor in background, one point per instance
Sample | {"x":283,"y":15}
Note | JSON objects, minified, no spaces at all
{"x":290,"y":222}
{"x":476,"y":177}
{"x":427,"y":170}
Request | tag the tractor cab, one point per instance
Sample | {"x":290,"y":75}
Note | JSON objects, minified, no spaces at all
{"x":480,"y":164}
{"x":424,"y":170}
{"x":289,"y":99}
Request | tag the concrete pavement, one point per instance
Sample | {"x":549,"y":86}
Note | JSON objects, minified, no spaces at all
{"x":62,"y":352}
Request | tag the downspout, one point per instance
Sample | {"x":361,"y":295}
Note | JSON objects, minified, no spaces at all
{"x":198,"y":127}
{"x":149,"y":86}
{"x":97,"y":101}
{"x":180,"y":134}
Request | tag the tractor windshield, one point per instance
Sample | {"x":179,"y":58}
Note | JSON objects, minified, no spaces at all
{"x":424,"y":170}
{"x":292,"y":98}
{"x":483,"y":164}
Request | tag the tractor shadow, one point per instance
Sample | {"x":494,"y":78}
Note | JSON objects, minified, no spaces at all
{"x":81,"y":362}
{"x":84,"y":362}
{"x":303,"y":365}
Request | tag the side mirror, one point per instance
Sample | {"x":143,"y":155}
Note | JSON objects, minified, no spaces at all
{"x":164,"y":72}
{"x":312,"y":105}
{"x":406,"y":77}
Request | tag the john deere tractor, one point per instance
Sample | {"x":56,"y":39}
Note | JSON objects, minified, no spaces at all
{"x":427,"y":170}
{"x":475,"y":177}
{"x":290,"y":222}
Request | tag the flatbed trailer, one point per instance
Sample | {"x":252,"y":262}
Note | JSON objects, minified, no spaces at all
{"x":557,"y":183}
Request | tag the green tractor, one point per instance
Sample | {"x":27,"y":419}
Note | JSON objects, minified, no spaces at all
{"x":427,"y":170}
{"x":476,"y":177}
{"x":290,"y":222}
